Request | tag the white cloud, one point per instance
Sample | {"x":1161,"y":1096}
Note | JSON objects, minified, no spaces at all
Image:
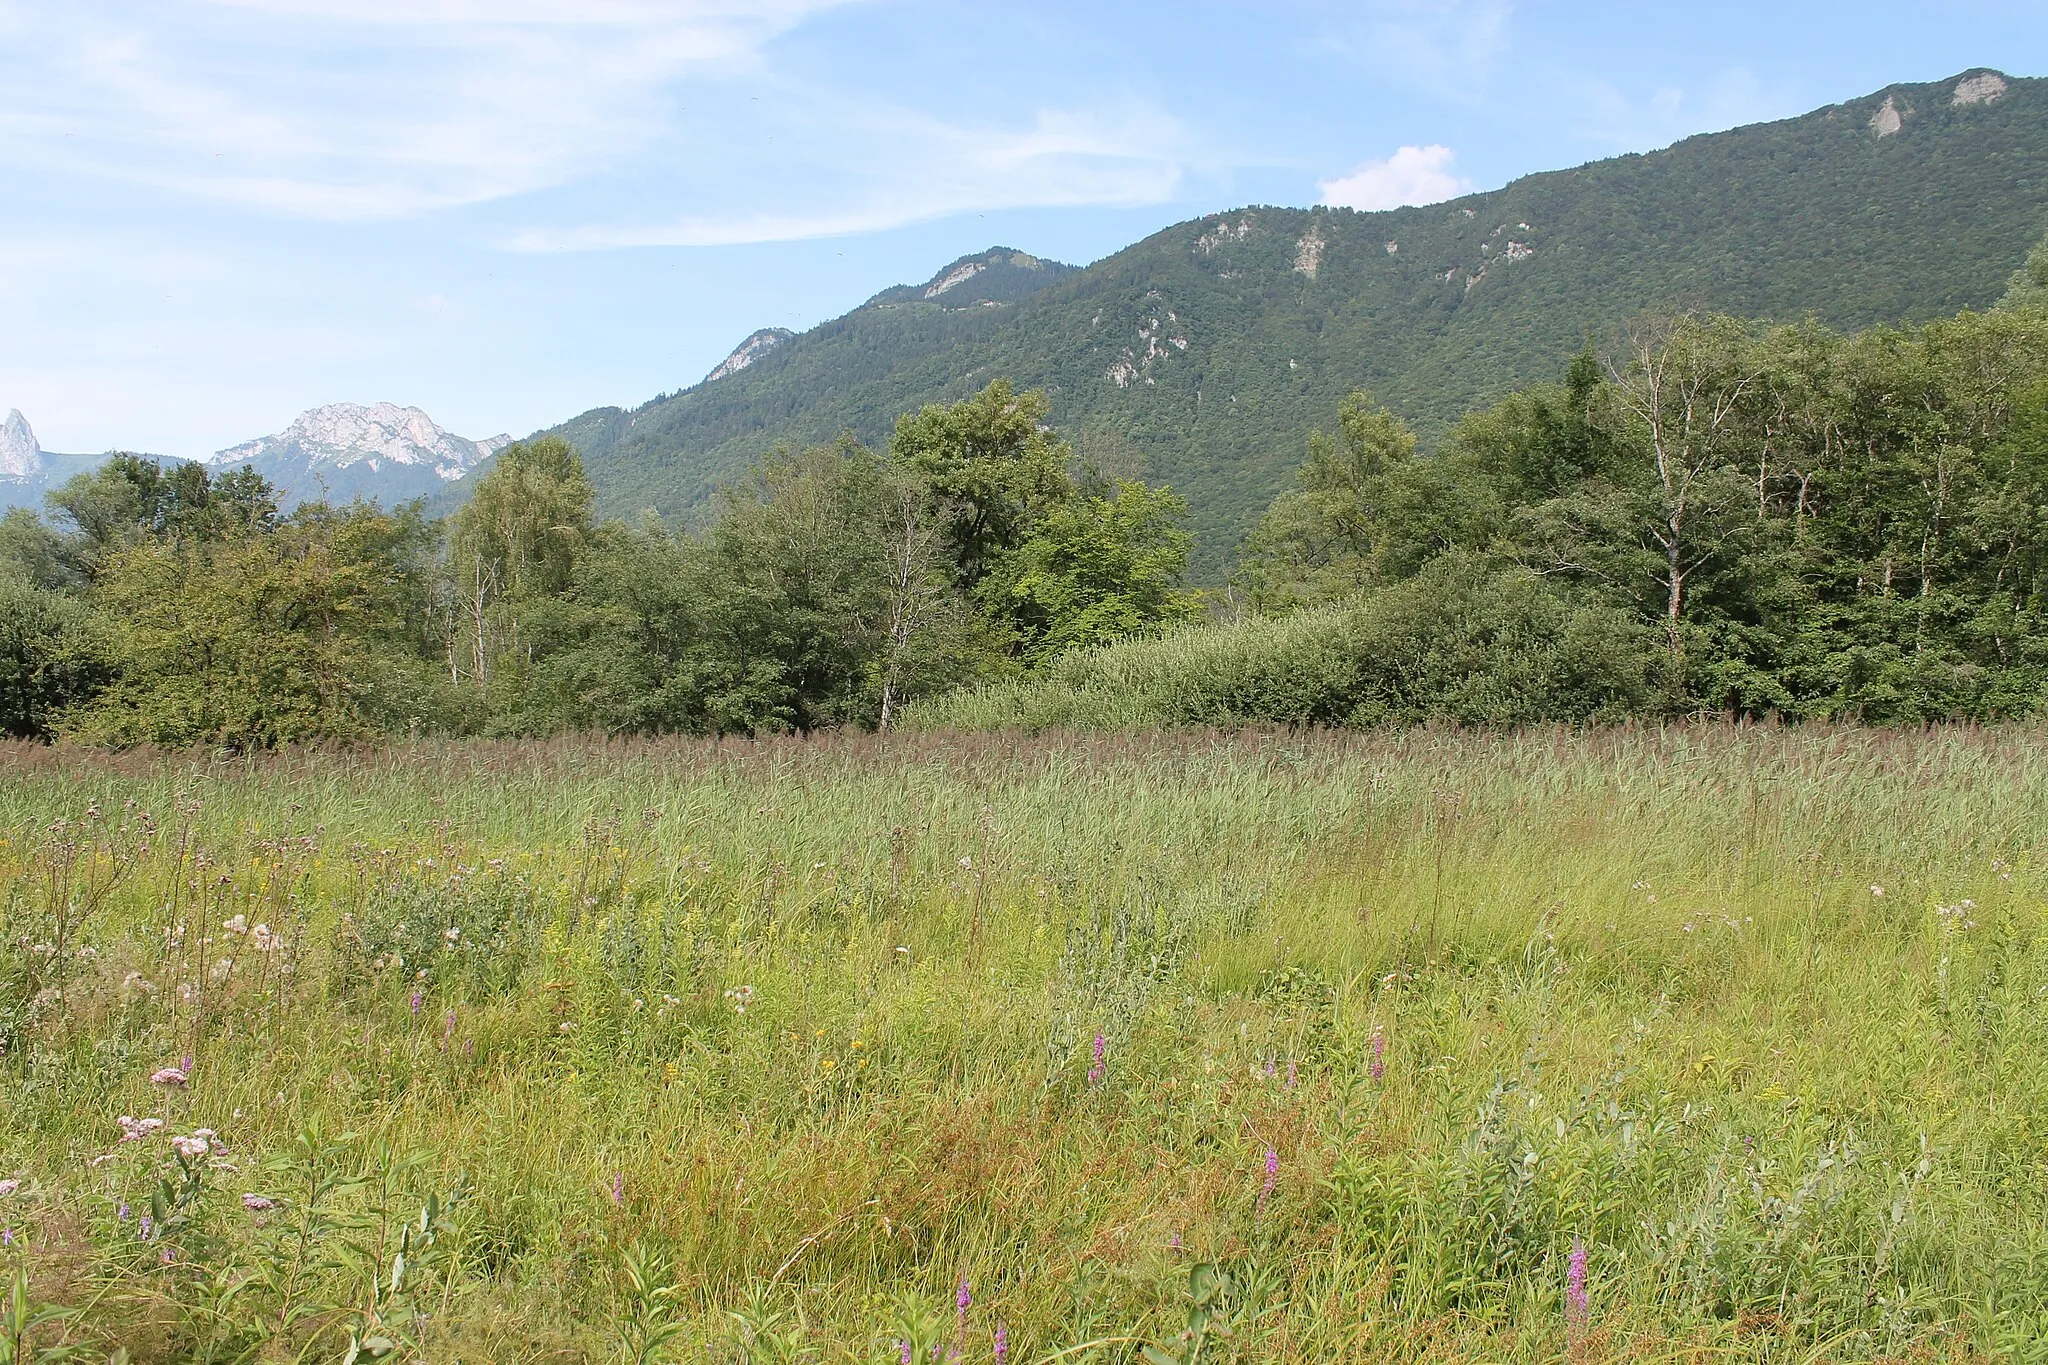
{"x":1412,"y":175}
{"x":1449,"y":47}
{"x":364,"y":109}
{"x":914,"y":168}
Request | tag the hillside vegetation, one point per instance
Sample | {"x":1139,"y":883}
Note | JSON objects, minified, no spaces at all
{"x":1201,"y":357}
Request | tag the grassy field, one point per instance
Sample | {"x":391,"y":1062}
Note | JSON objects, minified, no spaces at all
{"x":1683,"y":1045}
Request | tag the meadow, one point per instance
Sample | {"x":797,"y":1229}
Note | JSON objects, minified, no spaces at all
{"x":1642,"y":1044}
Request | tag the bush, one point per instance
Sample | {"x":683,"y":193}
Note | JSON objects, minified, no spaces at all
{"x":1462,"y":641}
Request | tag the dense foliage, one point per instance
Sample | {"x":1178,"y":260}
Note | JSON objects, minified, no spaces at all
{"x":1760,"y":521}
{"x":175,"y":607}
{"x":1716,"y":517}
{"x":1202,"y":356}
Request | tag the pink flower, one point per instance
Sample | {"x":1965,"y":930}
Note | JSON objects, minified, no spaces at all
{"x":1002,"y":1343}
{"x":1379,"y":1056}
{"x":191,"y":1148}
{"x":135,"y":1130}
{"x":8,"y":1187}
{"x":169,"y":1075}
{"x":1577,"y":1305}
{"x":257,"y":1203}
{"x":1101,"y":1067}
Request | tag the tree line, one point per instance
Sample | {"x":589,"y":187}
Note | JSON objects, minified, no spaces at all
{"x":1712,"y":517}
{"x":179,"y":606}
{"x":1727,"y":518}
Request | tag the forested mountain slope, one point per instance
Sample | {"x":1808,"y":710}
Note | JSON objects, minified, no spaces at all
{"x":1201,"y":356}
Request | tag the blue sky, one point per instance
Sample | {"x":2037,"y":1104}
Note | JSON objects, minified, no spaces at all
{"x":220,"y":212}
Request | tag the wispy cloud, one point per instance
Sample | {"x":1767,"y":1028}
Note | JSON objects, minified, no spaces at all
{"x":1412,"y":175}
{"x":1448,"y":47}
{"x":897,"y":167}
{"x":353,"y":109}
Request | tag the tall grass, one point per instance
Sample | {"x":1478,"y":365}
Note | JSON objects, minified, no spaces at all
{"x":761,"y":1051}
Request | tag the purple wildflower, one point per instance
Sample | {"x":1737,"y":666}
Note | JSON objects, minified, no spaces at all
{"x":1290,"y":1073}
{"x":1101,"y":1067}
{"x":1173,"y":1242}
{"x":903,"y":1349}
{"x":1379,"y":1056}
{"x":1577,"y":1307}
{"x":6,"y":1237}
{"x":148,"y":1228}
{"x":448,"y":1025}
{"x":257,"y":1203}
{"x":619,"y":1188}
{"x":417,"y":997}
{"x":121,"y":1214}
{"x":185,"y":1064}
{"x":1002,"y":1343}
{"x":1272,"y":1174}
{"x":171,"y":1075}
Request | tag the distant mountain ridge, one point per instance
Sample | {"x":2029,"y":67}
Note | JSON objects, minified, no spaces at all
{"x":382,"y":452}
{"x":1202,"y":355}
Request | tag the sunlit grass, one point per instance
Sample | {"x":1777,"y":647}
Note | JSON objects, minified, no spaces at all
{"x":807,"y":1029}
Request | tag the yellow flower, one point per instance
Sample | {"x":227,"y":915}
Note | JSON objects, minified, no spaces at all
{"x":826,"y":1064}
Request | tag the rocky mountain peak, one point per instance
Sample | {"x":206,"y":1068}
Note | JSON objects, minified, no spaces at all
{"x":749,"y":351}
{"x":344,"y":435}
{"x":382,"y":452}
{"x":20,"y":456}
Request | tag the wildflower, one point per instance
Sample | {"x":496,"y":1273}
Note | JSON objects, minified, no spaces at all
{"x":903,"y":1349}
{"x":451,"y":934}
{"x":1002,"y":1351}
{"x":1173,"y":1242}
{"x":8,"y":1187}
{"x":134,"y":1130}
{"x":1378,"y":1067}
{"x":619,"y":1188}
{"x":1100,"y":1069}
{"x":1576,"y":1305}
{"x":1290,"y":1073}
{"x":416,"y":999}
{"x":238,"y":925}
{"x":964,"y":1299}
{"x":6,"y":1237}
{"x":448,"y":1025}
{"x":264,"y":939}
{"x":825,"y":1065}
{"x":1272,"y":1175}
{"x":121,"y":1214}
{"x":257,"y":1203}
{"x":191,"y":1148}
{"x":148,"y":1228}
{"x":170,"y":1075}
{"x":565,"y":1027}
{"x":741,"y":997}
{"x":1877,"y":891}
{"x":185,"y":1064}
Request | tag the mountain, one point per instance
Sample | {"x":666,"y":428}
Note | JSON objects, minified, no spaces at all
{"x":20,"y":456}
{"x":1202,"y":355}
{"x":384,"y":453}
{"x":27,"y":471}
